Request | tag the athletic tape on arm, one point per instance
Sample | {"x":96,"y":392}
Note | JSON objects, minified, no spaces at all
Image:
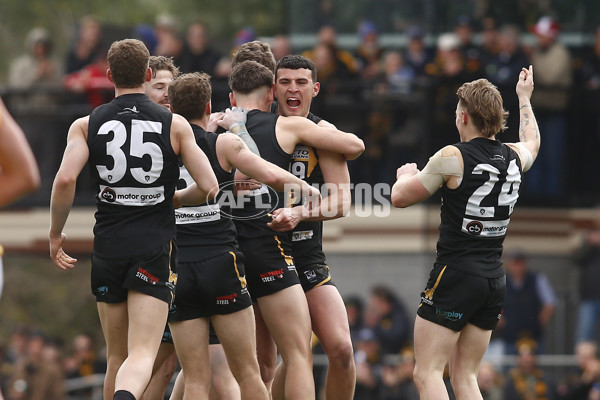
{"x":432,"y":176}
{"x":526,"y":156}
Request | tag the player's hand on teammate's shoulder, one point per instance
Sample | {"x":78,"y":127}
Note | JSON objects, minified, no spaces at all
{"x":213,"y":121}
{"x":232,"y":116}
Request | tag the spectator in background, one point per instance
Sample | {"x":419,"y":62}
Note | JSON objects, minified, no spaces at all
{"x":86,"y":45}
{"x":397,"y":379}
{"x":395,"y":77}
{"x":84,"y":360}
{"x":386,"y":317}
{"x":92,"y":82}
{"x":38,"y":376}
{"x":489,"y":41}
{"x":552,"y":64}
{"x":368,"y":365}
{"x":527,"y":381}
{"x":369,"y":52}
{"x":579,"y":385}
{"x":36,"y":68}
{"x":503,"y":69}
{"x":168,"y":42}
{"x":197,"y":54}
{"x":333,"y":61}
{"x":470,"y":51}
{"x":490,"y":382}
{"x":354,"y":310}
{"x":587,"y":257}
{"x":418,"y":56}
{"x":281,"y":47}
{"x":529,"y":304}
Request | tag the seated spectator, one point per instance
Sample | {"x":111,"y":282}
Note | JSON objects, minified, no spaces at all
{"x":86,"y":45}
{"x":92,"y":82}
{"x":579,"y":384}
{"x":369,"y":52}
{"x":39,"y":375}
{"x":490,"y":382}
{"x":397,"y":380}
{"x":417,"y":55}
{"x":395,"y":77}
{"x":84,"y":360}
{"x":368,"y":365}
{"x":36,"y":67}
{"x":386,"y":317}
{"x":527,"y":381}
{"x":197,"y":54}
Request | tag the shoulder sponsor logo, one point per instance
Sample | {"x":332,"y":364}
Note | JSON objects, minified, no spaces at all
{"x":128,"y":110}
{"x":132,"y":196}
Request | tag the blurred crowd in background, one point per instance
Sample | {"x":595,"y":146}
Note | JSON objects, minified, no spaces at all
{"x":400,"y":98}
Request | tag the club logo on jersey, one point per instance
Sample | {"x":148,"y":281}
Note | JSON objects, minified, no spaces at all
{"x":108,"y":195}
{"x":127,"y":110}
{"x":311,"y":275}
{"x":475,"y":228}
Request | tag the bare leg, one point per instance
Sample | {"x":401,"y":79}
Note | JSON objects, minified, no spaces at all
{"x":287,"y":317}
{"x":266,"y":350}
{"x":113,"y":318}
{"x":191,"y":344}
{"x":330,"y":324}
{"x":465,"y":362}
{"x":162,"y":372}
{"x":147,"y":318}
{"x":177,"y":393}
{"x":235,"y":332}
{"x":434,"y":345}
{"x":223,"y":384}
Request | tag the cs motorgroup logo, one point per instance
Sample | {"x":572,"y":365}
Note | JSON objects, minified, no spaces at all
{"x":108,"y":194}
{"x":475,"y":228}
{"x":245,"y":200}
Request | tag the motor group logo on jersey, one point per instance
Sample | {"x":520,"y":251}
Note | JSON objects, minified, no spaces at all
{"x":200,"y":214}
{"x":485,"y":228}
{"x":130,"y":196}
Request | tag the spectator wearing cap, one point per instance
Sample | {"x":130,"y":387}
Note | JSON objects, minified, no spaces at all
{"x":529,"y":304}
{"x":36,"y":67}
{"x":551,"y":62}
{"x":368,"y":53}
{"x":368,"y":365}
{"x":417,"y":55}
{"x":470,"y":51}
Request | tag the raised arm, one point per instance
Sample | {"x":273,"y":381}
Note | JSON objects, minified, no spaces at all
{"x":19,"y":174}
{"x":63,"y":190}
{"x":206,"y":185}
{"x":295,"y":130}
{"x":529,"y":133}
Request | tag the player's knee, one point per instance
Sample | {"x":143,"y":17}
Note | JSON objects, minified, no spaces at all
{"x":267,"y":372}
{"x":342,"y":355}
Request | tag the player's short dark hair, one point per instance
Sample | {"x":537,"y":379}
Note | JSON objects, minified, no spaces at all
{"x":249,"y":76}
{"x":483,"y":102}
{"x":295,"y":61}
{"x":255,"y":51}
{"x":128,"y":63}
{"x":189,"y":94}
{"x":162,"y":63}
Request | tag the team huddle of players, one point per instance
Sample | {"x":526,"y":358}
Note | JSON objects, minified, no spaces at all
{"x":169,"y":247}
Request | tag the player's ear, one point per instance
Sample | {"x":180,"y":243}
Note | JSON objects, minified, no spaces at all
{"x":232,"y":99}
{"x":208,"y":108}
{"x":109,"y":75}
{"x":316,"y":89}
{"x":148,"y":74}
